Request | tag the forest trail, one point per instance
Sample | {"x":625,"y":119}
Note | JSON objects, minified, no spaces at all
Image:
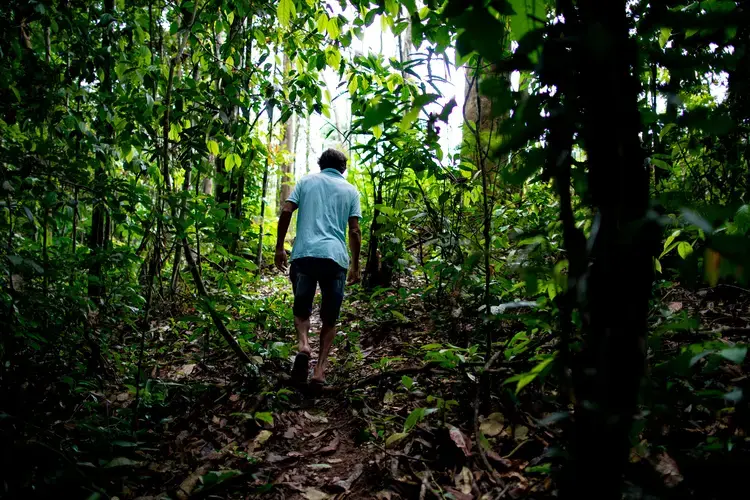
{"x":235,"y":442}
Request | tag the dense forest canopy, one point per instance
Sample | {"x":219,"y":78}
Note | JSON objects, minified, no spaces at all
{"x":556,"y":226}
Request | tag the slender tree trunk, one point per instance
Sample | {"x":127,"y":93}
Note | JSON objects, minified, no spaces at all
{"x":285,"y":174}
{"x":264,"y":191}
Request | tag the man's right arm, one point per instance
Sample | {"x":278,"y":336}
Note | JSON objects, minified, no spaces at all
{"x":355,"y":245}
{"x":284,"y":219}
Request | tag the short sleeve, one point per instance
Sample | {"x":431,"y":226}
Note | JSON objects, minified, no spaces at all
{"x":296,"y":193}
{"x":356,"y":209}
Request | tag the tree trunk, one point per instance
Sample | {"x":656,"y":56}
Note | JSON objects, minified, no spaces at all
{"x":286,"y":177}
{"x":607,"y":373}
{"x":264,"y":190}
{"x":98,"y":219}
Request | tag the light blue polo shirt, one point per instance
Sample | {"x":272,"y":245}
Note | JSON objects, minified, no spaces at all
{"x":325,"y":202}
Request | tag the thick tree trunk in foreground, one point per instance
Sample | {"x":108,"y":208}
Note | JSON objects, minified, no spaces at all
{"x":608,"y":372}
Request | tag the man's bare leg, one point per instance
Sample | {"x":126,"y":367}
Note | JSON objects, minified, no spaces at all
{"x":303,"y":328}
{"x":327,"y":333}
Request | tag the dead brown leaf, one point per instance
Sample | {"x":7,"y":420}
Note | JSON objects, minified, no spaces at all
{"x":332,"y":447}
{"x":461,"y":440}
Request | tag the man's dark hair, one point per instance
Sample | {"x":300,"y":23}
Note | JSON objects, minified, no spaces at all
{"x":332,"y":159}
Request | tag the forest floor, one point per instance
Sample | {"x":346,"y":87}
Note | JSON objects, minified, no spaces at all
{"x":389,"y":424}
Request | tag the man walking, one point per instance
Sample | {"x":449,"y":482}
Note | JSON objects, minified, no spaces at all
{"x":327,"y":205}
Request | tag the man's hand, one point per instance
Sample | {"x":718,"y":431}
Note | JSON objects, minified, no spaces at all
{"x":354,"y":275}
{"x":281,"y":259}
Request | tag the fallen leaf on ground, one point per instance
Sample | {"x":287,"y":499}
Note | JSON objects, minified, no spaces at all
{"x":319,"y":466}
{"x":395,"y":438}
{"x":463,"y":481}
{"x":234,"y":398}
{"x":123,"y":396}
{"x":667,"y":467}
{"x":492,"y":455}
{"x":520,"y":432}
{"x":318,"y":419}
{"x":334,"y":460}
{"x":491,"y":427}
{"x":313,"y":494}
{"x":186,"y":370}
{"x":346,"y":484}
{"x":459,"y":495}
{"x":291,"y":432}
{"x":331,"y":447}
{"x":675,"y":306}
{"x":272,"y":458}
{"x":261,"y":438}
{"x":461,"y":440}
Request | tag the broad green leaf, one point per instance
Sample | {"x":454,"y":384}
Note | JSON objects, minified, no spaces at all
{"x":407,"y":381}
{"x":377,"y":114}
{"x":215,"y":477}
{"x":229,"y":162}
{"x":409,"y":118}
{"x":354,"y":84}
{"x":266,"y":417}
{"x":322,"y":22}
{"x":213,"y":147}
{"x":377,"y":131}
{"x":734,"y":354}
{"x":657,"y":265}
{"x":333,"y":57}
{"x":684,"y":249}
{"x":664,"y":35}
{"x":671,"y":238}
{"x":285,"y":11}
{"x":333,"y":28}
{"x":414,"y":418}
{"x":395,"y":438}
{"x":523,"y":20}
{"x":424,"y":99}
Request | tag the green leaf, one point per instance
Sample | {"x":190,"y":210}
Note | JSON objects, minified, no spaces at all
{"x":407,"y":381}
{"x":215,"y":477}
{"x":121,"y":462}
{"x":285,"y":11}
{"x":521,"y":22}
{"x":671,"y":238}
{"x":333,"y":57}
{"x":734,"y":354}
{"x":424,"y":99}
{"x":413,"y":419}
{"x":333,"y":28}
{"x":377,"y":114}
{"x":664,"y":35}
{"x":322,"y":22}
{"x":213,"y":147}
{"x":409,"y":118}
{"x":354,"y":84}
{"x":395,"y":438}
{"x":229,"y":162}
{"x":684,"y":249}
{"x":266,"y":417}
{"x":447,"y":110}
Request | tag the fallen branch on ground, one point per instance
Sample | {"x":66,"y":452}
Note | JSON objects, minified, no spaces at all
{"x":372,"y":379}
{"x":214,"y":316}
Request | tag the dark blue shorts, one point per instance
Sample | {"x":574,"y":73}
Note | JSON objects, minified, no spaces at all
{"x":309,"y":272}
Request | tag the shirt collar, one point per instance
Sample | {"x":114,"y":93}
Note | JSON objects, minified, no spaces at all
{"x":331,"y":171}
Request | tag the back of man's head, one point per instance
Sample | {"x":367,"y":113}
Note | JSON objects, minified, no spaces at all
{"x":332,"y":158}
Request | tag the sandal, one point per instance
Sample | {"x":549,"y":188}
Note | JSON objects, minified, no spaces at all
{"x":300,"y":368}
